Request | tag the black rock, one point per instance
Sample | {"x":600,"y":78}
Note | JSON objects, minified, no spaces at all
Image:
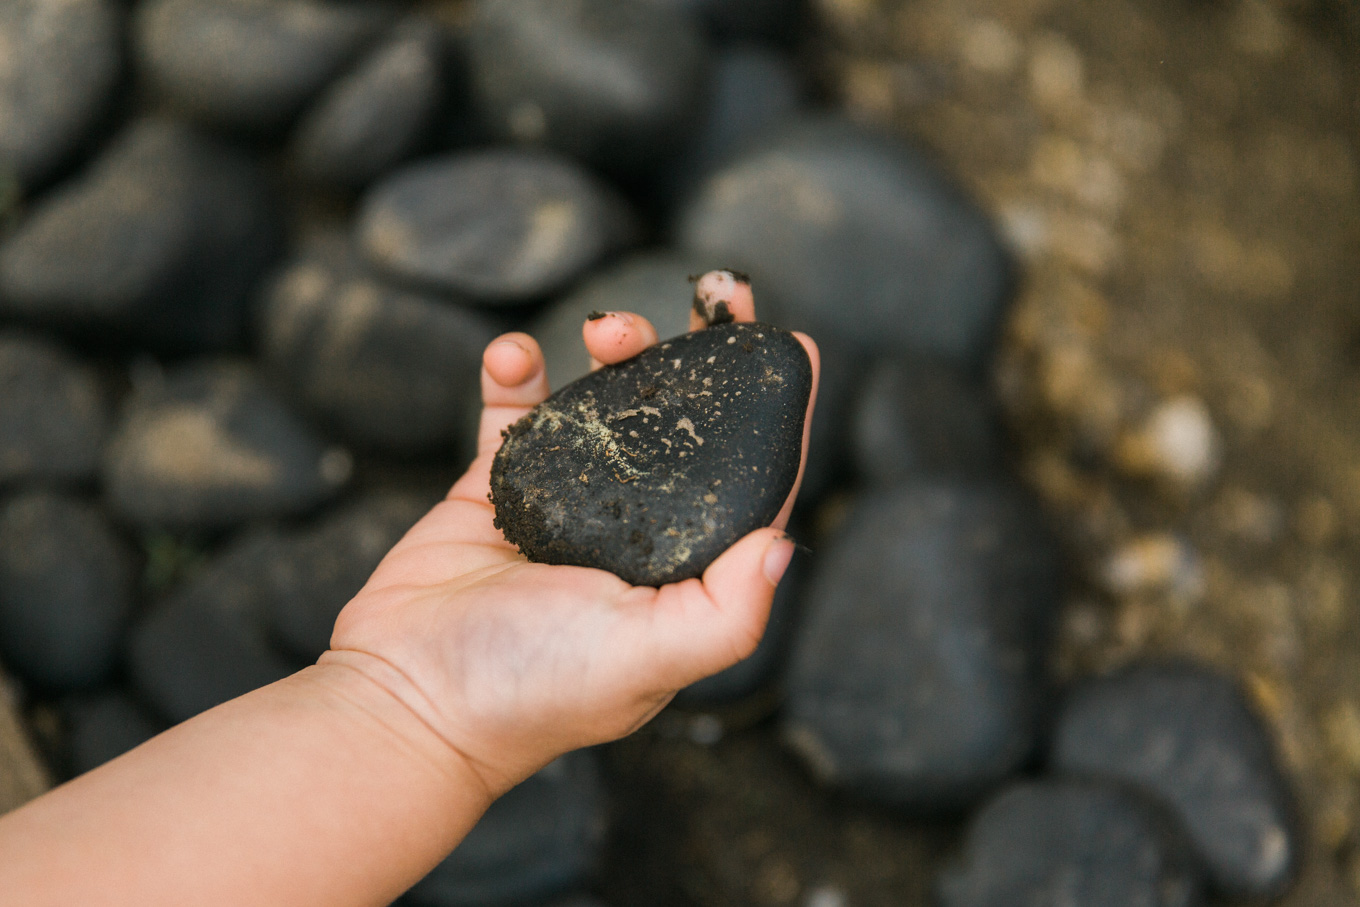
{"x":62,"y":61}
{"x":160,"y":241}
{"x":759,"y":670}
{"x":857,"y":235}
{"x":250,"y":65}
{"x":540,"y":839}
{"x":66,"y":581}
{"x":760,"y":20}
{"x":842,"y":369}
{"x":102,"y":727}
{"x":1072,"y":844}
{"x":754,"y":88}
{"x":916,"y":417}
{"x":208,"y":641}
{"x":208,"y":446}
{"x":1185,"y":734}
{"x":915,"y":677}
{"x":377,"y":115}
{"x":652,"y":284}
{"x":53,"y":414}
{"x":315,"y":571}
{"x":614,"y":83}
{"x":502,"y":226}
{"x":653,"y":467}
{"x":389,"y":369}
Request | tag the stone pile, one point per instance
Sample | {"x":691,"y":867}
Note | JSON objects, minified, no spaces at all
{"x":251,"y":253}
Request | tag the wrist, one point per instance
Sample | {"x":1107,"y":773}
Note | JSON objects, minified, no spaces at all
{"x":385,"y":706}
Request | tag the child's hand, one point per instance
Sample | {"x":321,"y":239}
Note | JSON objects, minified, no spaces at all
{"x":513,"y":663}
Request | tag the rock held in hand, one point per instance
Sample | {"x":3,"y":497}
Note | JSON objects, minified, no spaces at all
{"x":653,"y":467}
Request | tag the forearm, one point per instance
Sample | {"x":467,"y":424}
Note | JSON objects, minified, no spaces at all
{"x":318,"y":789}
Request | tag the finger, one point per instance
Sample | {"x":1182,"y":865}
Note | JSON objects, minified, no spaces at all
{"x":701,"y":628}
{"x":514,"y":380}
{"x":815,"y":357}
{"x":615,"y":336}
{"x":720,"y":297}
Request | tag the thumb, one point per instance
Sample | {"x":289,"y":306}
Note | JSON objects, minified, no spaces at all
{"x":715,"y":624}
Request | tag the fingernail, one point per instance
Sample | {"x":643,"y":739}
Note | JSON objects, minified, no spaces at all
{"x":777,"y":558}
{"x":512,"y":343}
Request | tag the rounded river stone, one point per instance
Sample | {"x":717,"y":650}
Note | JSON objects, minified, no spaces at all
{"x":1062,"y":843}
{"x":653,"y":467}
{"x":60,"y":63}
{"x":502,"y":226}
{"x":613,"y":83}
{"x":1186,"y":734}
{"x":249,"y":65}
{"x":377,"y":115}
{"x":53,"y":413}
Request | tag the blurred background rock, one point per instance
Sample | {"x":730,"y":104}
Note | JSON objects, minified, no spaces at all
{"x":1079,"y":595}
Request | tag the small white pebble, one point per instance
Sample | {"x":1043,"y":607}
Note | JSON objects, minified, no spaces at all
{"x":1154,"y":563}
{"x":731,"y":340}
{"x":1182,"y":438}
{"x":826,"y":896}
{"x":1176,"y":441}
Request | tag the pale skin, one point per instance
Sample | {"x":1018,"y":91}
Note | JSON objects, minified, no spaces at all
{"x":459,"y":670}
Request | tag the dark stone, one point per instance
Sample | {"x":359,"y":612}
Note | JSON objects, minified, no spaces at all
{"x":653,"y":467}
{"x":857,"y":235}
{"x":754,"y":88}
{"x":1071,"y":844}
{"x":377,"y":115}
{"x":652,"y":284}
{"x":314,"y":572}
{"x":208,"y":641}
{"x":760,"y":20}
{"x":53,"y":414}
{"x":62,"y":61}
{"x":160,"y":241}
{"x":614,"y":83}
{"x":758,"y":670}
{"x":916,"y":417}
{"x":103,"y":727}
{"x":502,"y":226}
{"x":389,"y":369}
{"x":540,"y":839}
{"x":250,"y":65}
{"x":66,"y":582}
{"x":208,"y":446}
{"x":1185,"y":734}
{"x":842,"y":367}
{"x":915,"y":677}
